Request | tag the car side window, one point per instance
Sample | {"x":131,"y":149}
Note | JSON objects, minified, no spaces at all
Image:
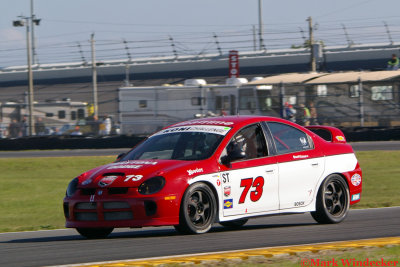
{"x":289,"y":139}
{"x":251,"y":141}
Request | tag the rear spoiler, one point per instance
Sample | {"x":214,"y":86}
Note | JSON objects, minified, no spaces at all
{"x":328,"y":133}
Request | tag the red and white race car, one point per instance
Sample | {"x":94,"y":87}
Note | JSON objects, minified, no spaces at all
{"x":223,"y":169}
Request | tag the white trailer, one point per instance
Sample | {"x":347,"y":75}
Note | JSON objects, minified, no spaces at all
{"x":144,"y":110}
{"x":53,"y":113}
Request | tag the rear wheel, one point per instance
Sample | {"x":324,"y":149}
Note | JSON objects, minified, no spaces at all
{"x":198,"y":210}
{"x":234,"y":224}
{"x":332,"y":201}
{"x":93,"y":233}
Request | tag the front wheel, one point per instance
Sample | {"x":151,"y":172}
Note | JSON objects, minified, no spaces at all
{"x":332,"y":200}
{"x":198,"y":210}
{"x":94,"y":233}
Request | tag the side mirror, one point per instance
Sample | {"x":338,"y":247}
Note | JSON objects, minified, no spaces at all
{"x":234,"y":153}
{"x":226,"y":161}
{"x":121,"y":156}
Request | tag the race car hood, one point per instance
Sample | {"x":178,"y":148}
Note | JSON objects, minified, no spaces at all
{"x":133,"y":172}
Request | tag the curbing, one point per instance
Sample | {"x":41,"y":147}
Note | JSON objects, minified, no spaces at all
{"x":245,"y":254}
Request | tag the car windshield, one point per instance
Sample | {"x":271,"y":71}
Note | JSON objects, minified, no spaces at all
{"x":180,"y":143}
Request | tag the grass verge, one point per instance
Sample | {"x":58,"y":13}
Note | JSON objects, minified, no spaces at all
{"x":32,"y":189}
{"x":381,"y":179}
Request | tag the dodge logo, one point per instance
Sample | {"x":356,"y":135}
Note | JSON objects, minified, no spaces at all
{"x":107,"y":180}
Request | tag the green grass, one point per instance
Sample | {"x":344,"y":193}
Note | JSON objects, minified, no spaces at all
{"x":32,"y":189}
{"x":381,"y":179}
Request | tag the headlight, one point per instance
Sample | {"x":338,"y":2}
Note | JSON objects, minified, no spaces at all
{"x":152,"y":185}
{"x":71,"y":189}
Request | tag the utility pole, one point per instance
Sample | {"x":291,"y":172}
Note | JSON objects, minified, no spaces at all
{"x":312,"y":60}
{"x":25,"y":21}
{"x":254,"y":38}
{"x":260,"y":25}
{"x":94,"y":77}
{"x":34,"y":21}
{"x":30,"y":78}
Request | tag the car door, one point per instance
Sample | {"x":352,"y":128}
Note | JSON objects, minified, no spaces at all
{"x":300,"y":165}
{"x":249,"y":178}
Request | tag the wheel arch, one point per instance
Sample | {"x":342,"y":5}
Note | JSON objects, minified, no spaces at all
{"x":343,"y":176}
{"x":320,"y":183}
{"x":212,"y":188}
{"x":203,"y":218}
{"x":335,"y":207}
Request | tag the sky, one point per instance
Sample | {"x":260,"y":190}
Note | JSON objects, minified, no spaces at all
{"x":133,"y":28}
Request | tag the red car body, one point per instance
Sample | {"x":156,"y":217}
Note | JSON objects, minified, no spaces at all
{"x":210,"y":175}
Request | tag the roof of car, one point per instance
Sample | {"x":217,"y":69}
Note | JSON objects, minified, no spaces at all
{"x":232,"y":121}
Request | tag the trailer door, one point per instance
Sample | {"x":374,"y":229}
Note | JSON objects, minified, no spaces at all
{"x":226,"y":104}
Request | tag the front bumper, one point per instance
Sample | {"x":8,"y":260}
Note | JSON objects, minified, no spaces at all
{"x":101,"y":208}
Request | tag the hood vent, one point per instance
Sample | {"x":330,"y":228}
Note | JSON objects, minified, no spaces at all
{"x":114,"y":174}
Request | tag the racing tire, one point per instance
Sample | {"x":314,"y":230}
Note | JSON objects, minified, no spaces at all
{"x":333,"y":200}
{"x":234,"y":224}
{"x":94,"y":233}
{"x":198,"y":210}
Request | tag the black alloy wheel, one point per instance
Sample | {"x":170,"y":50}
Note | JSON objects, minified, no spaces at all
{"x":333,"y":200}
{"x":198,"y":210}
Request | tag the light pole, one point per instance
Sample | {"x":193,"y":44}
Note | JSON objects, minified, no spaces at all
{"x":312,"y":52}
{"x":94,"y":78}
{"x":25,"y":21}
{"x":260,"y":25}
{"x":34,"y":21}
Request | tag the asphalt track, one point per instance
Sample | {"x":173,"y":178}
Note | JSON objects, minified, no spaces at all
{"x":358,"y":146}
{"x":57,"y":247}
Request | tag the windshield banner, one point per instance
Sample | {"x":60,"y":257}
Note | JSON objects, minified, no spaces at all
{"x":221,"y":130}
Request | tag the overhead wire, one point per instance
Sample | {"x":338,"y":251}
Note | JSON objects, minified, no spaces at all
{"x":198,"y":43}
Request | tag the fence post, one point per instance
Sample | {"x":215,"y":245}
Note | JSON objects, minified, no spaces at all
{"x":361,"y":102}
{"x":281,"y":99}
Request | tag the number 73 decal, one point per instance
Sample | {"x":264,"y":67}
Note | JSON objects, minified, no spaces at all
{"x":257,"y":184}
